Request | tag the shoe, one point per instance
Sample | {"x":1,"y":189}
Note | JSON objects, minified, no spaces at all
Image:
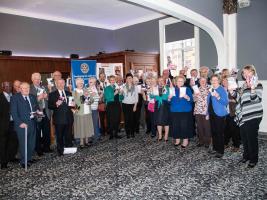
{"x":166,"y":140}
{"x":40,"y":154}
{"x":132,"y":135}
{"x":251,"y":165}
{"x":118,"y":137}
{"x":206,"y":146}
{"x":183,"y":146}
{"x":177,"y":144}
{"x":243,"y":160}
{"x":60,"y":154}
{"x":159,"y":139}
{"x":48,"y":151}
{"x":23,"y":165}
{"x":199,"y":145}
{"x":148,"y":131}
{"x":81,"y":146}
{"x":4,"y":166}
{"x":111,"y":137}
{"x":128,"y":136}
{"x":212,"y":151}
{"x":15,"y":160}
{"x":218,"y":155}
{"x":32,"y":161}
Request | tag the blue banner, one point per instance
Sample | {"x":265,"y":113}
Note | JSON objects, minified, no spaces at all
{"x":83,"y":69}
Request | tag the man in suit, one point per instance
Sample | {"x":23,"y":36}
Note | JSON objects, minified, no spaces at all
{"x":16,"y":86}
{"x":8,"y":138}
{"x":62,"y":116}
{"x":23,"y":107}
{"x":43,"y":124}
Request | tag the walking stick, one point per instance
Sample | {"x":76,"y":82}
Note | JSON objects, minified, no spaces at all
{"x":26,"y":150}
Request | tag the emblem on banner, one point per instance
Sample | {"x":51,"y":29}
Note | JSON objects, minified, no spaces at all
{"x":84,"y":68}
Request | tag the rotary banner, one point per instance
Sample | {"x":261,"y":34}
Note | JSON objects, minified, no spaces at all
{"x":83,"y":69}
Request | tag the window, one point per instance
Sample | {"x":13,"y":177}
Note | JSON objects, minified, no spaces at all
{"x":180,"y":54}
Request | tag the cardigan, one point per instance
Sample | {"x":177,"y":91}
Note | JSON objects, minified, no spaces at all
{"x":109,"y":94}
{"x":181,"y":104}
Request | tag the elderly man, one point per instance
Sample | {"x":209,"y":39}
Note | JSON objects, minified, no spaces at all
{"x":43,"y":124}
{"x":62,"y":116}
{"x":24,"y":107}
{"x":8,"y":138}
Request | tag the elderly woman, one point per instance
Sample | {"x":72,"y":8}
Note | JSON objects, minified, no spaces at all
{"x":217,"y":112}
{"x":181,"y":113}
{"x":83,"y":122}
{"x":249,"y":113}
{"x":162,"y":109}
{"x":94,"y":106}
{"x":200,"y":111}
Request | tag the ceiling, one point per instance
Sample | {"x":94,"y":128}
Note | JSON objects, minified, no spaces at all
{"x":107,"y":14}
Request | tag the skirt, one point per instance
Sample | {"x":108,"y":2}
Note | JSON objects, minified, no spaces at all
{"x":83,"y":126}
{"x":162,"y":114}
{"x":182,"y":125}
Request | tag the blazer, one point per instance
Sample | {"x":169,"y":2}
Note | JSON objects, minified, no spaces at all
{"x":219,"y":106}
{"x":63,"y":113}
{"x":20,"y":109}
{"x":33,"y":91}
{"x":4,"y":113}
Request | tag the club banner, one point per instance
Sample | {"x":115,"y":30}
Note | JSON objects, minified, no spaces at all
{"x":83,"y":69}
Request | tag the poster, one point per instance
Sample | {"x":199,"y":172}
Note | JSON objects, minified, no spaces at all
{"x":83,"y":69}
{"x":109,"y":69}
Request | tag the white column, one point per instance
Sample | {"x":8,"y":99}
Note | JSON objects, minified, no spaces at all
{"x":197,"y":49}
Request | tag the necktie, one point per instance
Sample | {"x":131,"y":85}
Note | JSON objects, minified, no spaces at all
{"x":29,"y":104}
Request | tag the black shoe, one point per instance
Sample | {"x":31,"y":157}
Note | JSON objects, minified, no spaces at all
{"x":23,"y":165}
{"x":218,"y":155}
{"x":15,"y":160}
{"x":48,"y":151}
{"x":243,"y":160}
{"x":206,"y":146}
{"x":251,"y":165}
{"x":60,"y":154}
{"x":32,"y":161}
{"x":128,"y":136}
{"x":40,"y":154}
{"x":199,"y":145}
{"x":111,"y":137}
{"x":118,"y":137}
{"x":148,"y":131}
{"x":4,"y":166}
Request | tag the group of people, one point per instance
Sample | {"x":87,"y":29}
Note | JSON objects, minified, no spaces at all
{"x":178,"y":107}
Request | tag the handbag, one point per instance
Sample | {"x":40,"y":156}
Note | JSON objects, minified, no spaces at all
{"x":151,"y":107}
{"x":101,"y":107}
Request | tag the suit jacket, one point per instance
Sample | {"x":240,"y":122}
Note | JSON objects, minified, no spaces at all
{"x":4,"y":113}
{"x":63,"y":113}
{"x":33,"y":91}
{"x":20,"y":109}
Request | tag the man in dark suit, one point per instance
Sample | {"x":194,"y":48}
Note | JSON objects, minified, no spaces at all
{"x":8,"y":138}
{"x":62,"y":116}
{"x":24,"y":106}
{"x":43,"y":124}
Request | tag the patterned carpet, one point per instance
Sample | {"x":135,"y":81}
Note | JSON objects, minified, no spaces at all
{"x":138,"y":168}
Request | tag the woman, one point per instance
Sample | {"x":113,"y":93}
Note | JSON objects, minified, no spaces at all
{"x":162,"y":110}
{"x":151,"y":106}
{"x":249,"y":112}
{"x":137,"y":113}
{"x":83,"y":123}
{"x":200,"y":111}
{"x":112,"y":98}
{"x":94,"y":106}
{"x":146,"y":99}
{"x":181,"y":113}
{"x":231,"y":130}
{"x":217,"y":112}
{"x":129,"y":104}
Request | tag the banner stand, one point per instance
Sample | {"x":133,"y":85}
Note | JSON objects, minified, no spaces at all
{"x":26,"y":149}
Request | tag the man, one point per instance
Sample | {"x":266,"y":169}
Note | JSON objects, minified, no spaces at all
{"x":204,"y":72}
{"x":43,"y":123}
{"x":24,"y":106}
{"x":8,"y":138}
{"x":16,"y":86}
{"x":102,"y":83}
{"x":190,"y":82}
{"x":62,"y":116}
{"x":56,"y":76}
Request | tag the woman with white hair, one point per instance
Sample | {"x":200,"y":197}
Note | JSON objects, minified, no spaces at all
{"x":83,"y":122}
{"x":249,"y":113}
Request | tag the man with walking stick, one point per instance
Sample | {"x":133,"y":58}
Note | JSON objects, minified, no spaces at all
{"x":24,"y":108}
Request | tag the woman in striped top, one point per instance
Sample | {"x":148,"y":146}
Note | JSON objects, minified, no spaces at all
{"x":249,"y":112}
{"x":94,"y":106}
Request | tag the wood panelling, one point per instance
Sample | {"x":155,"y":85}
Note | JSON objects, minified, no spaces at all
{"x":21,"y":68}
{"x":130,"y":60}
